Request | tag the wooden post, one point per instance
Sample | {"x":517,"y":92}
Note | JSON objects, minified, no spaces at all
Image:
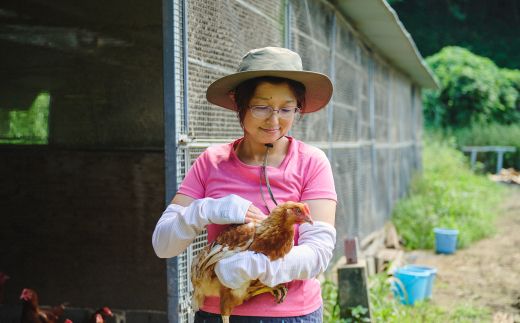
{"x":353,"y":285}
{"x":353,"y":290}
{"x":473,"y":158}
{"x":500,"y":160}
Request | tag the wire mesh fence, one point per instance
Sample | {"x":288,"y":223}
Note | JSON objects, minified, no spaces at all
{"x":370,"y":130}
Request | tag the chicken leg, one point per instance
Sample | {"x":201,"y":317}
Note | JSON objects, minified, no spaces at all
{"x":279,"y":292}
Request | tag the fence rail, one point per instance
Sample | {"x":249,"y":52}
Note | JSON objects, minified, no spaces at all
{"x":500,"y":150}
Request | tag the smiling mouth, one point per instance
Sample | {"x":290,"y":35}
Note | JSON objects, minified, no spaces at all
{"x":270,"y":130}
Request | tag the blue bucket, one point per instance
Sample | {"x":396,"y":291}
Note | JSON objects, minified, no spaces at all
{"x":432,"y":272}
{"x":445,"y":240}
{"x":410,"y":286}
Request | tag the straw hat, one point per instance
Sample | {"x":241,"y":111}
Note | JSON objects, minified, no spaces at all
{"x":278,"y":62}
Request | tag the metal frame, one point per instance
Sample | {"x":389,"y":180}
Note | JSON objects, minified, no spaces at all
{"x":170,"y":141}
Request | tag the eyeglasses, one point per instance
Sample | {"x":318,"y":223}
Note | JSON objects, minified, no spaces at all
{"x":265,"y":111}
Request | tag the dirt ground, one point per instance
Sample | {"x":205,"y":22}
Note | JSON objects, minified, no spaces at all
{"x":485,"y":274}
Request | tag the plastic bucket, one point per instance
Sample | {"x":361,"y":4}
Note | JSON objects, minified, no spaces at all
{"x":410,"y":285}
{"x":445,"y":240}
{"x":432,"y":272}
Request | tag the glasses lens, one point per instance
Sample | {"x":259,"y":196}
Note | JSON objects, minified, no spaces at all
{"x":261,"y":111}
{"x":286,"y":112}
{"x":265,"y":111}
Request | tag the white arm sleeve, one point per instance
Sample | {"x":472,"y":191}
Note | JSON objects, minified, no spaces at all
{"x":179,"y":225}
{"x":307,"y":260}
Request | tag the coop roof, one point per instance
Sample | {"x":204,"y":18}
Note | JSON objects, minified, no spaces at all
{"x":383,"y":30}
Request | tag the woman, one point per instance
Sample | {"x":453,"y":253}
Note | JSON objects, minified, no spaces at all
{"x":241,"y":181}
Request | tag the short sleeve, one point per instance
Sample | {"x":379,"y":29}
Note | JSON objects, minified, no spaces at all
{"x":194,"y":184}
{"x":319,"y":182}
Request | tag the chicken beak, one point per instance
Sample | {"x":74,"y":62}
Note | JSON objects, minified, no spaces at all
{"x":307,"y":214}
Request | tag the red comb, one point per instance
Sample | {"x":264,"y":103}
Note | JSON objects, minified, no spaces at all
{"x":107,"y":311}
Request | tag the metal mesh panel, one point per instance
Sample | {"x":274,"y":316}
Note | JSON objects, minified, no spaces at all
{"x":367,"y":219}
{"x":346,"y":92}
{"x":183,"y":266}
{"x":345,"y":165}
{"x":382,"y":189}
{"x":219,"y":33}
{"x":372,"y":153}
{"x":364,"y":108}
{"x":309,"y":25}
{"x":381,"y":102}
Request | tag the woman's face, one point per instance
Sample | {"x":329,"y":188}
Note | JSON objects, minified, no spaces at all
{"x":268,"y":130}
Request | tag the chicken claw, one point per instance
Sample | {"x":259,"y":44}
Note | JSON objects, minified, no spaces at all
{"x":280,"y":293}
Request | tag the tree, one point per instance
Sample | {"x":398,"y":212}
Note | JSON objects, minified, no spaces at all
{"x":472,"y":89}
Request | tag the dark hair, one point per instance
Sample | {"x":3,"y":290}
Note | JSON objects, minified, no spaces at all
{"x":245,"y":90}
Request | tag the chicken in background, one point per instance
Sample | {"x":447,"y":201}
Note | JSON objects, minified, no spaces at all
{"x":3,"y":280}
{"x":32,"y":313}
{"x":100,"y":315}
{"x":274,"y":237}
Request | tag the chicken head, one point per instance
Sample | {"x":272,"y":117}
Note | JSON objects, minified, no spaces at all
{"x":297,"y":210}
{"x":29,"y":296}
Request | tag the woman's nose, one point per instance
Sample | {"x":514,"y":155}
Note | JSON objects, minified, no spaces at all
{"x":275,"y":116}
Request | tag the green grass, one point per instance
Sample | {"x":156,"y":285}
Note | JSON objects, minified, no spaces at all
{"x":446,"y":194}
{"x":385,"y":308}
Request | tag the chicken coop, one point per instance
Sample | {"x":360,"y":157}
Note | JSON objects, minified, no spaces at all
{"x":370,"y":131}
{"x":103,"y":110}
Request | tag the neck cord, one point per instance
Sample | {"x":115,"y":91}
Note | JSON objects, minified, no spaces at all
{"x":264,"y":174}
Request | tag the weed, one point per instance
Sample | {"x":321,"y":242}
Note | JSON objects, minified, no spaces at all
{"x":385,"y":308}
{"x":447,"y":194}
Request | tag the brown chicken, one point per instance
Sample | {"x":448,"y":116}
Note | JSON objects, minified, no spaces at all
{"x":100,"y":315}
{"x":273,"y":237}
{"x":32,"y":313}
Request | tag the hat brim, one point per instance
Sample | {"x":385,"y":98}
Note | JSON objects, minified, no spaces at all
{"x":318,"y":87}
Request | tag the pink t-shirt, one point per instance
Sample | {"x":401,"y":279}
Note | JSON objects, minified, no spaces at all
{"x":304,"y":174}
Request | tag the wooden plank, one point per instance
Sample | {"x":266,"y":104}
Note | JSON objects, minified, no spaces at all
{"x":468,"y":149}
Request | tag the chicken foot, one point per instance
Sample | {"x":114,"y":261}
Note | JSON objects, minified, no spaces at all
{"x":279,"y":292}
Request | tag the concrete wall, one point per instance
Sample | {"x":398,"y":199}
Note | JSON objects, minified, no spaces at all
{"x":77,"y":215}
{"x":76,"y":226}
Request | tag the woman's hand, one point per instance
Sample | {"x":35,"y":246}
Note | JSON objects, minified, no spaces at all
{"x":254,"y":214}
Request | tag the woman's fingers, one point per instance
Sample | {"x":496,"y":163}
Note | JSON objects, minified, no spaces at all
{"x":256,"y":210}
{"x":254,"y":214}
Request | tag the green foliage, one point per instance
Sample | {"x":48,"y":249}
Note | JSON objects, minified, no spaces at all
{"x":482,"y":26}
{"x":329,"y":293}
{"x":28,"y":126}
{"x":472,"y":89}
{"x":512,"y":79}
{"x":386,"y":309}
{"x":491,"y":135}
{"x":331,"y":310}
{"x":447,"y":194}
